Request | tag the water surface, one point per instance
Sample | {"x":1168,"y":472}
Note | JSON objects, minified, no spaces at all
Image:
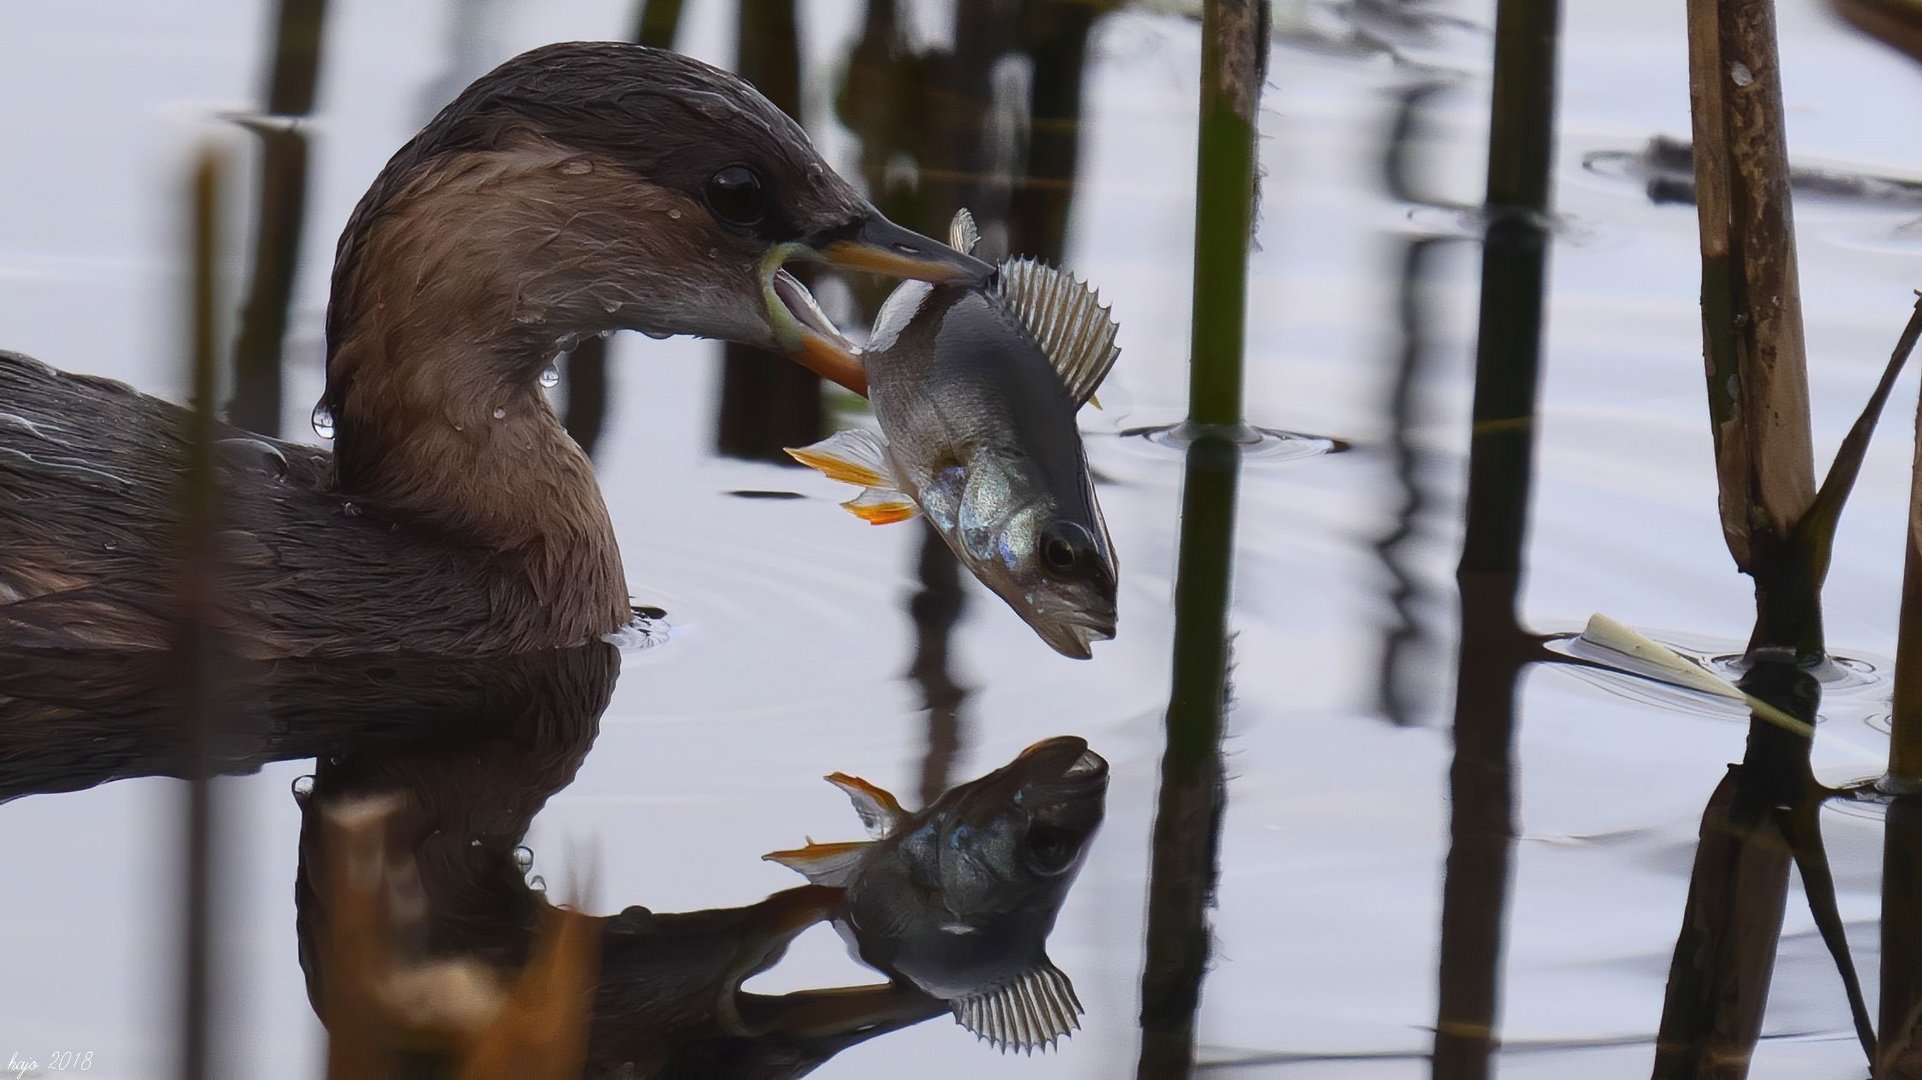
{"x":789,"y":632}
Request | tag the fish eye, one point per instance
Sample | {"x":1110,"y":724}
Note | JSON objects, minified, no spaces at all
{"x":1049,"y":850}
{"x":736,"y":196}
{"x":1062,"y":545}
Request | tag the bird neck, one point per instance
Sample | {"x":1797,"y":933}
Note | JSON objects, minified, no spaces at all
{"x":454,"y":285}
{"x":448,"y":432}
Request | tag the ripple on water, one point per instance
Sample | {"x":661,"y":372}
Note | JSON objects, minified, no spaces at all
{"x":1854,"y":689}
{"x":1258,"y":444}
{"x":647,"y":627}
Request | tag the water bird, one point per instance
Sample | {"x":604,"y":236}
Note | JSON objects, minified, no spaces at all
{"x":958,"y":900}
{"x":975,"y":388}
{"x":577,"y":189}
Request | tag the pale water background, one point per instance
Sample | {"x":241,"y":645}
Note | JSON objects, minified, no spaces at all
{"x":789,"y":630}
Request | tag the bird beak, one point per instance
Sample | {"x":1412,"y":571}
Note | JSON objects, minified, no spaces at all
{"x":805,"y":332}
{"x":879,"y":246}
{"x":873,"y":244}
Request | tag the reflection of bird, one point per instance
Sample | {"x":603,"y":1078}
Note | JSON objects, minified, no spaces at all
{"x":577,"y":189}
{"x":419,"y":930}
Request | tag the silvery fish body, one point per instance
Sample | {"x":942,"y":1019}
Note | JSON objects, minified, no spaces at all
{"x":975,"y":390}
{"x":959,"y":899}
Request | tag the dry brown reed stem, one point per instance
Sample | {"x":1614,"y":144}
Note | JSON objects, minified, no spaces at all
{"x":1751,"y":306}
{"x":1905,"y":741}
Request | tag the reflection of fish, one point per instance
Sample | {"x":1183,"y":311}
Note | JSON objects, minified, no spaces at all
{"x":959,"y":899}
{"x":975,"y":389}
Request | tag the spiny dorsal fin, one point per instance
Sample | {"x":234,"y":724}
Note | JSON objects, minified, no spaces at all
{"x":824,"y":864}
{"x":962,"y":235}
{"x":1066,"y":319}
{"x":1031,"y":1012}
{"x":880,"y":811}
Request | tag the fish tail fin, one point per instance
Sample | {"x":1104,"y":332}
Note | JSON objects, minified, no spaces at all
{"x":1067,"y":319}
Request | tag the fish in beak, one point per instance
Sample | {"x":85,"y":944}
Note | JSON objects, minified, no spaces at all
{"x":872,"y":244}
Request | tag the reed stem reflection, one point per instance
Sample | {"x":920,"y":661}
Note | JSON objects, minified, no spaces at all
{"x":767,"y":403}
{"x":1501,"y":463}
{"x":1724,"y":958}
{"x":282,"y":213}
{"x":656,"y":24}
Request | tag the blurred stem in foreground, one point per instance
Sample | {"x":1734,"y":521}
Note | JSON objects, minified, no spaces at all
{"x":1494,"y":647}
{"x":1189,"y":807}
{"x":193,"y":630}
{"x":656,"y":24}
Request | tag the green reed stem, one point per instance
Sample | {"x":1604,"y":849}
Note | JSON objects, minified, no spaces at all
{"x":1233,"y":51}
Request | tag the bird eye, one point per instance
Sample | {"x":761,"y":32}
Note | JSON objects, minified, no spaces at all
{"x":1063,"y":544}
{"x":1050,"y":850}
{"x":736,"y":196}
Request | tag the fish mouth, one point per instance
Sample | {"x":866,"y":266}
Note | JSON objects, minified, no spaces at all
{"x":1068,"y":757}
{"x":1072,"y":633}
{"x":803,"y":330}
{"x":1088,"y":766}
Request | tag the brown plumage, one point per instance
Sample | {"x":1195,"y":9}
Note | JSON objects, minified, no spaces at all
{"x":577,"y":189}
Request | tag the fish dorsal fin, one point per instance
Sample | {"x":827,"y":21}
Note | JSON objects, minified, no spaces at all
{"x":1067,"y":320}
{"x":824,"y":864}
{"x":880,"y":811}
{"x":1030,"y":1013}
{"x":962,"y":234}
{"x":853,"y":456}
